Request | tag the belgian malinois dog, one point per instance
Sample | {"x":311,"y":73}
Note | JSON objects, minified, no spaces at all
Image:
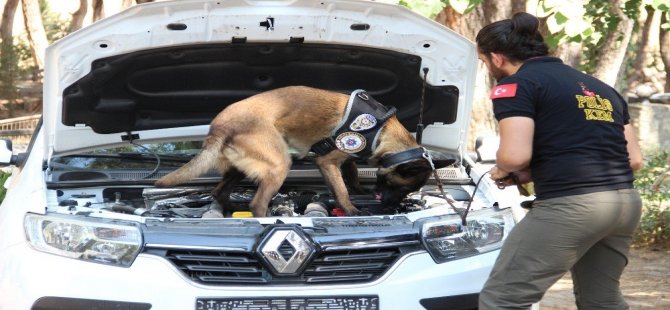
{"x":251,"y":138}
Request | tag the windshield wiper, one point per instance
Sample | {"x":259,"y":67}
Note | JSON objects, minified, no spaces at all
{"x":178,"y":158}
{"x":141,"y":156}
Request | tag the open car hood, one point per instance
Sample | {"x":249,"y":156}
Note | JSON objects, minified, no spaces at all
{"x":163,"y":70}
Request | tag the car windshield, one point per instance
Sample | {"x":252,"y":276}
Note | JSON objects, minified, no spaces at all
{"x":134,"y":156}
{"x":146,"y":156}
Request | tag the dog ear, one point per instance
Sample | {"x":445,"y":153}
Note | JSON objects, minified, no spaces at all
{"x":441,"y":160}
{"x":413,"y":167}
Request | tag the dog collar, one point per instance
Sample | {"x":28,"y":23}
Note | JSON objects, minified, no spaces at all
{"x":402,"y":157}
{"x":359,"y":129}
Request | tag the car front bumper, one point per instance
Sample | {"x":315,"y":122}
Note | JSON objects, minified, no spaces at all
{"x":32,"y":279}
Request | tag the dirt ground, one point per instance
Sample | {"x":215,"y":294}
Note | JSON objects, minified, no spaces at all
{"x":645,"y":283}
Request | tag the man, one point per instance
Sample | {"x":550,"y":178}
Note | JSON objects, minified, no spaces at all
{"x":569,"y":133}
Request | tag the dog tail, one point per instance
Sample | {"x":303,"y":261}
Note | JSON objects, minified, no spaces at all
{"x":207,"y":159}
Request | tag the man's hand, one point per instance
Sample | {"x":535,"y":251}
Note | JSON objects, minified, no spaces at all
{"x":498,"y":174}
{"x":503,"y":178}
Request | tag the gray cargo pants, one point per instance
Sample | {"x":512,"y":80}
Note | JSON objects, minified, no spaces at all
{"x":588,"y":234}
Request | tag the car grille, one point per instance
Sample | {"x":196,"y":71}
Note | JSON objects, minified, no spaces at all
{"x":214,"y":267}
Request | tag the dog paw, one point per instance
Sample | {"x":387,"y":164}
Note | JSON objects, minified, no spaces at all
{"x":352,"y":211}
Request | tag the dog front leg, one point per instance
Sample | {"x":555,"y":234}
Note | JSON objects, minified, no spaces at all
{"x":350,"y":177}
{"x":330,"y":169}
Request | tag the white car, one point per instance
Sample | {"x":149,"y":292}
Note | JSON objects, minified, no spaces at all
{"x":129,"y":99}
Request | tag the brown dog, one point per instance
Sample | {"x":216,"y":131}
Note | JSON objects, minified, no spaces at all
{"x":251,"y":138}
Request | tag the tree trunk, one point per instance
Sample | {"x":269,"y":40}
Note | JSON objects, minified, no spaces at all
{"x":519,"y":6}
{"x":78,"y":16}
{"x":570,"y":53}
{"x":126,"y":4}
{"x":37,"y":37}
{"x":612,"y":52}
{"x":98,"y":10}
{"x":7,"y":24}
{"x":7,"y":55}
{"x":664,"y":43}
{"x":645,"y":70}
{"x":482,"y":122}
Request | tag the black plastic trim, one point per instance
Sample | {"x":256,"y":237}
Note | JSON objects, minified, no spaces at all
{"x":457,"y":302}
{"x":59,"y":303}
{"x":189,"y":85}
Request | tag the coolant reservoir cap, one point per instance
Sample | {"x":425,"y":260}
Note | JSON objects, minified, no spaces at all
{"x":241,"y":214}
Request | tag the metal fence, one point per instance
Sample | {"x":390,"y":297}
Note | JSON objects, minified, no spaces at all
{"x":19,"y":129}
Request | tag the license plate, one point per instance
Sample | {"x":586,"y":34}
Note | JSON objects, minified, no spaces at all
{"x":290,"y":303}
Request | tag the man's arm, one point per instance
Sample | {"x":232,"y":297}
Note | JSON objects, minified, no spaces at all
{"x":516,"y":146}
{"x":634,"y":153}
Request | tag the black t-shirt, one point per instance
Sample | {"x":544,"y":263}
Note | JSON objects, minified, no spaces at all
{"x":579,"y":145}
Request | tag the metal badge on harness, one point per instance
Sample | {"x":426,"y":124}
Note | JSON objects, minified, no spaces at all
{"x":358,"y":130}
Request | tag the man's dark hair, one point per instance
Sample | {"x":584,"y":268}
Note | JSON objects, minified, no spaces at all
{"x":517,"y":38}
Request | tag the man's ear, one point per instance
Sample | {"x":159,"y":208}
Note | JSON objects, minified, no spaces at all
{"x":498,"y":59}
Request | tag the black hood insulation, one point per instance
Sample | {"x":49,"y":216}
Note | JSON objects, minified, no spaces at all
{"x":190,"y":85}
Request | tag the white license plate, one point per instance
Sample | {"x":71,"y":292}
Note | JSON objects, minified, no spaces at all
{"x":290,"y":303}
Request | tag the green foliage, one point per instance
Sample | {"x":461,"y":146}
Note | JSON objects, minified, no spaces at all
{"x":663,"y":6}
{"x":603,"y":22}
{"x":462,"y":6}
{"x":427,"y":8}
{"x":3,"y":178}
{"x":24,"y":60}
{"x":566,"y":22}
{"x":55,"y":27}
{"x":8,"y":69}
{"x":655,"y":222}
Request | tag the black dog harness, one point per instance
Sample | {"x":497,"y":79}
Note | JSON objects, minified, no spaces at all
{"x":359,"y":129}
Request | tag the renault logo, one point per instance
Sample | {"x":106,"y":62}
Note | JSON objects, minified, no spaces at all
{"x":287,"y":250}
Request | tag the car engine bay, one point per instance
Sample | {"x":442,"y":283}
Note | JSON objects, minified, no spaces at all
{"x":197,"y":201}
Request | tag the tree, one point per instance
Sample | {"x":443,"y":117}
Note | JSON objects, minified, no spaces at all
{"x":126,"y":4}
{"x":664,"y":43}
{"x":7,"y":55}
{"x":98,"y":10}
{"x":644,"y":65}
{"x":613,"y":49}
{"x":78,"y":16}
{"x":37,"y":37}
{"x":466,"y":18}
{"x":593,"y":36}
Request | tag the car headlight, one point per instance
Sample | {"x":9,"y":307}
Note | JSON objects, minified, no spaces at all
{"x":447,"y":239}
{"x":94,"y":241}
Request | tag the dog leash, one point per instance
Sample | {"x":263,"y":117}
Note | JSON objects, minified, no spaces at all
{"x":426,"y":155}
{"x":515,"y":179}
{"x":462,"y":213}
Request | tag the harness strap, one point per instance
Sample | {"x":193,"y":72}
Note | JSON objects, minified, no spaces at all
{"x":359,"y":129}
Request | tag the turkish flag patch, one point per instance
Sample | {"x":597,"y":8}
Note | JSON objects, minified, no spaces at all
{"x":504,"y":91}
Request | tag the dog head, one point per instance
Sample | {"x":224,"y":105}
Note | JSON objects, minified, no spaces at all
{"x":406,"y":172}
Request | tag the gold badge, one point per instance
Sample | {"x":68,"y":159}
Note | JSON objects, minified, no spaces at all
{"x":350,"y":142}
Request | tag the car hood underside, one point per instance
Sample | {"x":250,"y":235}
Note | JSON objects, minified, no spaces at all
{"x":189,"y":85}
{"x":163,"y":70}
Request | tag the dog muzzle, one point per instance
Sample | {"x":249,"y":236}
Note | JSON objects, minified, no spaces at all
{"x":402,"y":157}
